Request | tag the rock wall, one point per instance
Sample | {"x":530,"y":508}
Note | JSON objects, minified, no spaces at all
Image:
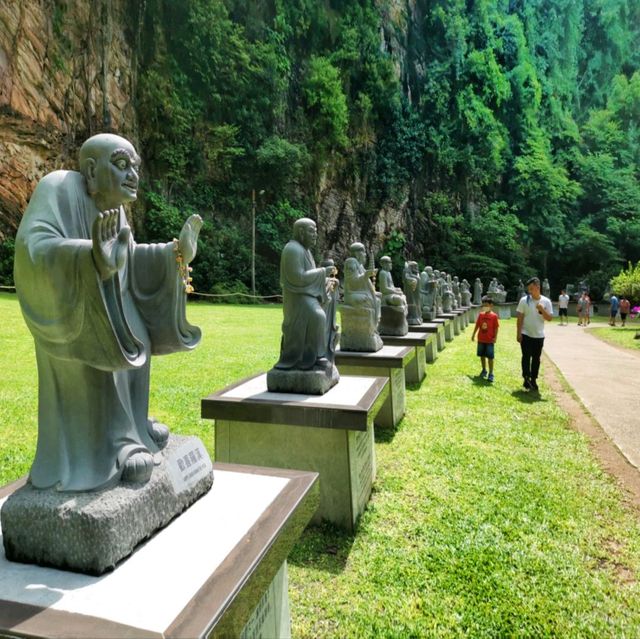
{"x":66,"y":72}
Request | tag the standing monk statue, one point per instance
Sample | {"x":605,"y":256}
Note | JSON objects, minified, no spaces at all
{"x":309,"y":334}
{"x":98,"y":306}
{"x":411,"y":281}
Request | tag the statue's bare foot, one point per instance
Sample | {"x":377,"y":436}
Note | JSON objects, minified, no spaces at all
{"x":138,"y":468}
{"x":159,"y":433}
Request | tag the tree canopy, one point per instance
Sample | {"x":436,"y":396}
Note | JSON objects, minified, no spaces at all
{"x":504,"y":134}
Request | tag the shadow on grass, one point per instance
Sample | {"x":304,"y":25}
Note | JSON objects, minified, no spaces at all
{"x":480,"y":381}
{"x":323,"y":547}
{"x":528,"y":397}
{"x":385,"y":435}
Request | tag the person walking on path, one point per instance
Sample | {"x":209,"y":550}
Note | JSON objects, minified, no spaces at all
{"x":583,"y":309}
{"x":563,"y":308}
{"x":533,"y":311}
{"x":587,"y":309}
{"x":625,"y":305}
{"x":613,"y":300}
{"x":486,"y":326}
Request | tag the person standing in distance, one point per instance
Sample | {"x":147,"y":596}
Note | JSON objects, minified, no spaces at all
{"x":533,"y":311}
{"x":563,"y":308}
{"x":613,"y":300}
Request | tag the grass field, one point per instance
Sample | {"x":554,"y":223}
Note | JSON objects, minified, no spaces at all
{"x":618,"y":335}
{"x":489,"y":516}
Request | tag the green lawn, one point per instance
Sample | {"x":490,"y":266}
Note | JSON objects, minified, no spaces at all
{"x":619,"y":336}
{"x":489,"y":517}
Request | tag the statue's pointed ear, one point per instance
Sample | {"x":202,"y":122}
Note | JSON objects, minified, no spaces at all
{"x":90,"y":168}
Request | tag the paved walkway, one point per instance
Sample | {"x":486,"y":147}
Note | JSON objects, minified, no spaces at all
{"x":605,"y":378}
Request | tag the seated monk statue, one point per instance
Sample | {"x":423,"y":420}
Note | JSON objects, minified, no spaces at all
{"x":309,"y":332}
{"x":98,"y":305}
{"x":360,"y":311}
{"x":393,"y":313}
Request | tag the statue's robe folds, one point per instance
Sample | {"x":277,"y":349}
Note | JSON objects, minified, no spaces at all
{"x":93,"y":338}
{"x":412,"y":294}
{"x":358,"y":288}
{"x":391,"y":296}
{"x":307,"y":328}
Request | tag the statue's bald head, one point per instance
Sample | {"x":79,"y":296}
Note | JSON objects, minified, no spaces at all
{"x":109,"y":164}
{"x":305,"y":231}
{"x":103,"y":145}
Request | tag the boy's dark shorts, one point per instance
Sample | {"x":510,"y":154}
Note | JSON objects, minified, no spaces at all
{"x":562,"y":312}
{"x":485,"y":350}
{"x":623,"y":316}
{"x":613,"y":313}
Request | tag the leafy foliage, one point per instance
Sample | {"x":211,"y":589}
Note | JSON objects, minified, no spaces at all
{"x":627,"y":283}
{"x":506,"y":134}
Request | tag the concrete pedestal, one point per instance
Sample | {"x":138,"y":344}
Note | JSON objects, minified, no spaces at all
{"x":417,"y":368}
{"x":391,"y":362}
{"x":447,"y":322}
{"x":474,"y":311}
{"x":503,"y":310}
{"x":455,"y":321}
{"x":219,"y":570}
{"x":437,"y":330}
{"x":331,"y":434}
{"x":465,"y":315}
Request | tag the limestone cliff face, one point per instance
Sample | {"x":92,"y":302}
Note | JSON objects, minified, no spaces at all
{"x":66,"y":72}
{"x":336,"y":206}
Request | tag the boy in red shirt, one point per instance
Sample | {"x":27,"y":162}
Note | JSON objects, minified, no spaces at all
{"x":487,"y":326}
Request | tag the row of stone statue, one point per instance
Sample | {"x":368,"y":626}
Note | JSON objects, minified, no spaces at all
{"x":310,"y":295}
{"x":366,"y":312}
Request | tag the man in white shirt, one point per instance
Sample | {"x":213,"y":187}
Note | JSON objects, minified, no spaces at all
{"x":563,"y":308}
{"x":532,"y":312}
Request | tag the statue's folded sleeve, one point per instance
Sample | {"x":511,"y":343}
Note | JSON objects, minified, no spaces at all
{"x":71,"y":312}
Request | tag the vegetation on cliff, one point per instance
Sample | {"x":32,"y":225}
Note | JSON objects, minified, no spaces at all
{"x":488,"y":138}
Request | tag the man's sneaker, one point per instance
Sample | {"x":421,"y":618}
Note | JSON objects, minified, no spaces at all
{"x":526,"y":384}
{"x":490,"y":378}
{"x":533,"y":385}
{"x":483,"y":373}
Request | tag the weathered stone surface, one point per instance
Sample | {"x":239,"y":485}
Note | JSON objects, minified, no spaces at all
{"x":91,"y":532}
{"x":55,"y":89}
{"x":393,"y":321}
{"x":353,"y":338}
{"x":312,"y":382}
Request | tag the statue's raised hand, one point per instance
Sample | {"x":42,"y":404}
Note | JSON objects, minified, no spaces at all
{"x":109,"y":246}
{"x":188,"y":240}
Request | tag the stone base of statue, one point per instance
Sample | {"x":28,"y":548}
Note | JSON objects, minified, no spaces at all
{"x":414,"y":315}
{"x":390,"y":362}
{"x":316,"y":381}
{"x":218,"y":570}
{"x":393,"y":320}
{"x":91,"y":532}
{"x":428,"y":314}
{"x":447,"y":322}
{"x":503,"y":310}
{"x":437,"y":330}
{"x":416,"y":370}
{"x":358,"y":330}
{"x":332,"y":435}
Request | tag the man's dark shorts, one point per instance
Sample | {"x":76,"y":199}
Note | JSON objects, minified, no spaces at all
{"x":562,"y":312}
{"x":485,"y":350}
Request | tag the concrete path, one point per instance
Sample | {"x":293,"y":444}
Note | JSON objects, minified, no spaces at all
{"x":605,"y":378}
